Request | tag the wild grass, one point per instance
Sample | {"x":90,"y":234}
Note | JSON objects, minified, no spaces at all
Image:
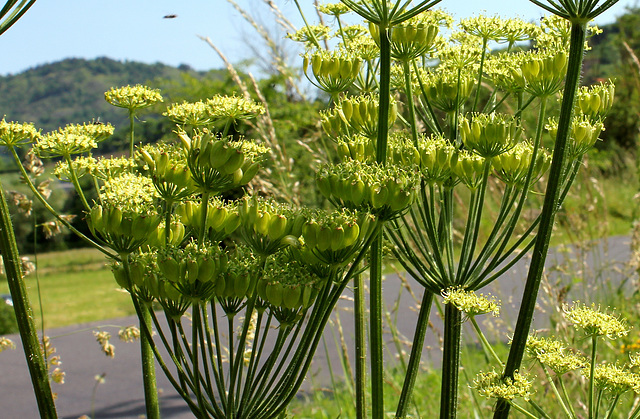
{"x":76,"y":287}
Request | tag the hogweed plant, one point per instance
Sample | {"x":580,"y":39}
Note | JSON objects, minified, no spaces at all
{"x":455,"y":114}
{"x":425,"y":128}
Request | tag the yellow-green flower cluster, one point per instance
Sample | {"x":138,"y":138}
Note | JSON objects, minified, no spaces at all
{"x":333,"y":9}
{"x":595,"y":322}
{"x":102,"y":168}
{"x":471,"y":303}
{"x":512,"y":167}
{"x":81,"y":165}
{"x":98,"y":131}
{"x":469,"y":169}
{"x":189,"y":113}
{"x":489,"y":135}
{"x":443,"y":90}
{"x":356,"y":115}
{"x":485,"y":27}
{"x":15,"y":134}
{"x":360,"y":45}
{"x":492,"y":385}
{"x":541,"y":72}
{"x":438,"y":157}
{"x":330,"y":232}
{"x":553,"y":354}
{"x":517,"y":30}
{"x":222,"y":217}
{"x":595,"y":101}
{"x":411,"y":38}
{"x":334,"y":71}
{"x":308,"y":35}
{"x":63,"y":143}
{"x":384,"y":190}
{"x":582,"y":137}
{"x":130,"y":192}
{"x":133,"y":97}
{"x":230,"y":109}
{"x":193,"y":270}
{"x":615,"y":379}
{"x":459,"y":57}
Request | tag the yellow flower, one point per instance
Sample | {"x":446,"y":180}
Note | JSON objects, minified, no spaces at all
{"x":14,"y":134}
{"x":133,"y":97}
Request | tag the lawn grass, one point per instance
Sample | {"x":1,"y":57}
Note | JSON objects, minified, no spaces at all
{"x":76,"y":287}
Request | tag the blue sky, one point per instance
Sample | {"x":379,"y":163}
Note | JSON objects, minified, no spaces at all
{"x":135,"y":30}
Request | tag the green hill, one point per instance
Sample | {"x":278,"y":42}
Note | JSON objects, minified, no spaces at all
{"x":72,"y":90}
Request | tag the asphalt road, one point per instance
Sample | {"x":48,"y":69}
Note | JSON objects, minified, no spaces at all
{"x":121,"y":394}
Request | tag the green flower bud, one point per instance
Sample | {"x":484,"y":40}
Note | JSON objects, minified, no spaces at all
{"x":582,"y":137}
{"x":334,"y":71}
{"x":596,"y":101}
{"x":489,"y":135}
{"x":469,"y":169}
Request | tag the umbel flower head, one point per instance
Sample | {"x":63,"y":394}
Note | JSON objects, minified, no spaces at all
{"x":15,"y":134}
{"x":489,"y":135}
{"x":492,"y":385}
{"x":615,"y":379}
{"x":595,"y":322}
{"x":553,"y":353}
{"x":471,"y":303}
{"x":133,"y":97}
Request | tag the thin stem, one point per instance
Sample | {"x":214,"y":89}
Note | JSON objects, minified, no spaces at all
{"x":483,"y":340}
{"x":416,"y":352}
{"x":375,"y":329}
{"x":554,"y":388}
{"x":24,"y":314}
{"x":592,"y":381}
{"x":525,"y":316}
{"x":361,"y":346}
{"x":131,"y":133}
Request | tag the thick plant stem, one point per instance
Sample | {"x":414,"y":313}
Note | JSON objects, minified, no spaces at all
{"x":375,"y":324}
{"x":450,"y":362}
{"x":416,"y":352}
{"x":375,"y":299}
{"x":146,"y":352}
{"x":361,"y":348}
{"x":149,"y":370}
{"x":24,"y":314}
{"x":525,"y":316}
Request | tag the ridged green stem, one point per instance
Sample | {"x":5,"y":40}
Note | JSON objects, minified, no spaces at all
{"x":152,"y":405}
{"x":450,"y":362}
{"x":592,"y":369}
{"x":24,"y":314}
{"x":547,"y":217}
{"x":361,"y":346}
{"x":416,"y":352}
{"x":375,"y":296}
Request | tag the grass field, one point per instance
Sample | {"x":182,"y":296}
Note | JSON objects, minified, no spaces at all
{"x":76,"y":287}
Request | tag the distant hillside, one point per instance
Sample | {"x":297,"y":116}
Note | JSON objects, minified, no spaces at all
{"x":72,"y":90}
